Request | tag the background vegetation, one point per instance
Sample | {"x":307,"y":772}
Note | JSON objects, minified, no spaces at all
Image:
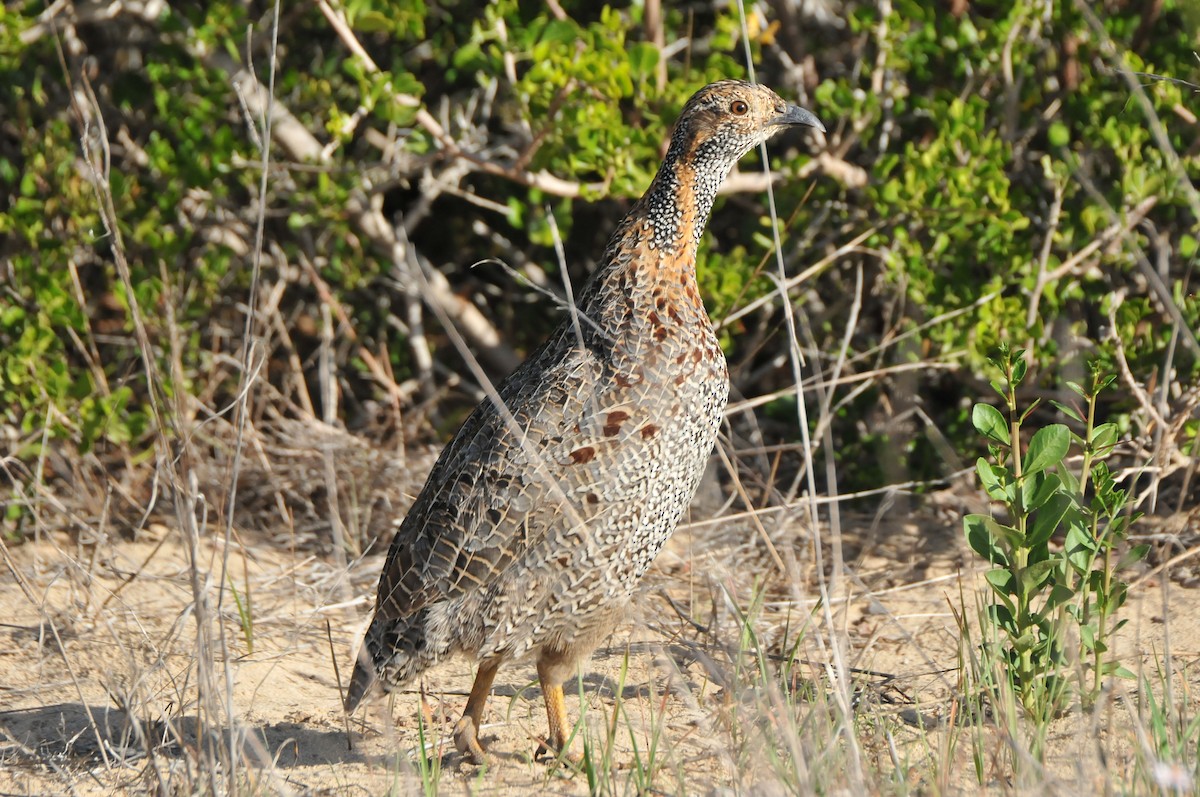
{"x":249,"y":324}
{"x":994,"y":171}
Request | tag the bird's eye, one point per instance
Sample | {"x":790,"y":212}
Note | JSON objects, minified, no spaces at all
{"x":739,"y":108}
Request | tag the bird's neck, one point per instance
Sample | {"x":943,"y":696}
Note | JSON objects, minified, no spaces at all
{"x":649,"y":268}
{"x":677,"y":204}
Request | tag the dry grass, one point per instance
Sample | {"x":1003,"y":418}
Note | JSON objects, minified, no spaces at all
{"x":724,"y":681}
{"x":176,"y":626}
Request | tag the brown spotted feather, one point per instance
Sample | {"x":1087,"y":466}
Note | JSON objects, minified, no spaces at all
{"x":539,"y":519}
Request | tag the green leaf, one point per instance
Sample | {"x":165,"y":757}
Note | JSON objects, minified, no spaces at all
{"x":1030,"y":410}
{"x":1134,"y":555}
{"x":12,"y":316}
{"x":1079,"y":546}
{"x":1025,"y":641}
{"x":1070,"y":412}
{"x":1020,"y":367}
{"x":993,"y":478}
{"x":1047,"y":519}
{"x":1118,"y":527}
{"x":1048,"y":447}
{"x":1002,"y":581}
{"x":1087,"y":634}
{"x":1109,"y":499}
{"x":1059,"y":135}
{"x":643,"y":57}
{"x":1009,"y":535}
{"x":372,"y":22}
{"x":1059,"y":594}
{"x":1001,"y":614}
{"x":988,"y":421}
{"x":1103,"y":438}
{"x":1035,"y":576}
{"x":1069,"y":481}
{"x":981,"y":540}
{"x":1037,"y":489}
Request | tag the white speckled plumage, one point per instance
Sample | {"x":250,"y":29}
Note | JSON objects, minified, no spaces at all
{"x":538,"y":521}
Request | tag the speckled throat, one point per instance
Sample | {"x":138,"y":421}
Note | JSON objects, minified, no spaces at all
{"x":646,"y":282}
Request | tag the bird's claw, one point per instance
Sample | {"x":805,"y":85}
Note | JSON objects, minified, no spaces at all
{"x":466,"y":741}
{"x":549,"y":753}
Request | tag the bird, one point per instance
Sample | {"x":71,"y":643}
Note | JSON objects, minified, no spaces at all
{"x":545,"y":510}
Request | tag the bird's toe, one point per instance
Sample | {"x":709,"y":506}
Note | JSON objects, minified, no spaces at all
{"x":549,"y":754}
{"x":466,"y":741}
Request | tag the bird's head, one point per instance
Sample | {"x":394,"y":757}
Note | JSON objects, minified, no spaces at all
{"x":725,"y":120}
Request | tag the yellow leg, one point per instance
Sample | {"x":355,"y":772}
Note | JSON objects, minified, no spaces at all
{"x":556,"y":715}
{"x":466,"y":731}
{"x":550,"y":674}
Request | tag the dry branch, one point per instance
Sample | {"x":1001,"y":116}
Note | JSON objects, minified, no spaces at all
{"x":301,"y":145}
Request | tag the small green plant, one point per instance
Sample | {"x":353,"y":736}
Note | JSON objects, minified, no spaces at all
{"x":245,"y":612}
{"x":1041,"y":590}
{"x":429,"y":753}
{"x":607,"y":767}
{"x":1171,"y":735}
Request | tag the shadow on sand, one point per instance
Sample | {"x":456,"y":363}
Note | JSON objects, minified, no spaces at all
{"x":79,"y":733}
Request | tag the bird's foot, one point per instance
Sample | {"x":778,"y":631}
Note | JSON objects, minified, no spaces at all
{"x":550,"y":753}
{"x":466,"y":741}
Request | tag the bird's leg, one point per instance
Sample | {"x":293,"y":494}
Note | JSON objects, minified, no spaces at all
{"x":466,"y":730}
{"x":551,"y":673}
{"x":556,"y":714}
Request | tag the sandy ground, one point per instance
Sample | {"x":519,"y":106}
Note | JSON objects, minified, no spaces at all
{"x":99,"y":664}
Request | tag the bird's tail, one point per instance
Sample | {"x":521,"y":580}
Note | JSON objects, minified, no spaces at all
{"x":364,"y":681}
{"x":394,"y":651}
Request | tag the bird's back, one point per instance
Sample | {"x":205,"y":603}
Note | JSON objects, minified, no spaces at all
{"x":547,"y":508}
{"x":552,"y":500}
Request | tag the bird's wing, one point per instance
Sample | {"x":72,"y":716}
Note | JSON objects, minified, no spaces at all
{"x":498,"y":487}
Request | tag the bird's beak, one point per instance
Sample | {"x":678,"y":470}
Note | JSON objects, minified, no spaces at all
{"x":796,"y":116}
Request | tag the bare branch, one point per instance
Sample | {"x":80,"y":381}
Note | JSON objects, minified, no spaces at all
{"x":301,"y":145}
